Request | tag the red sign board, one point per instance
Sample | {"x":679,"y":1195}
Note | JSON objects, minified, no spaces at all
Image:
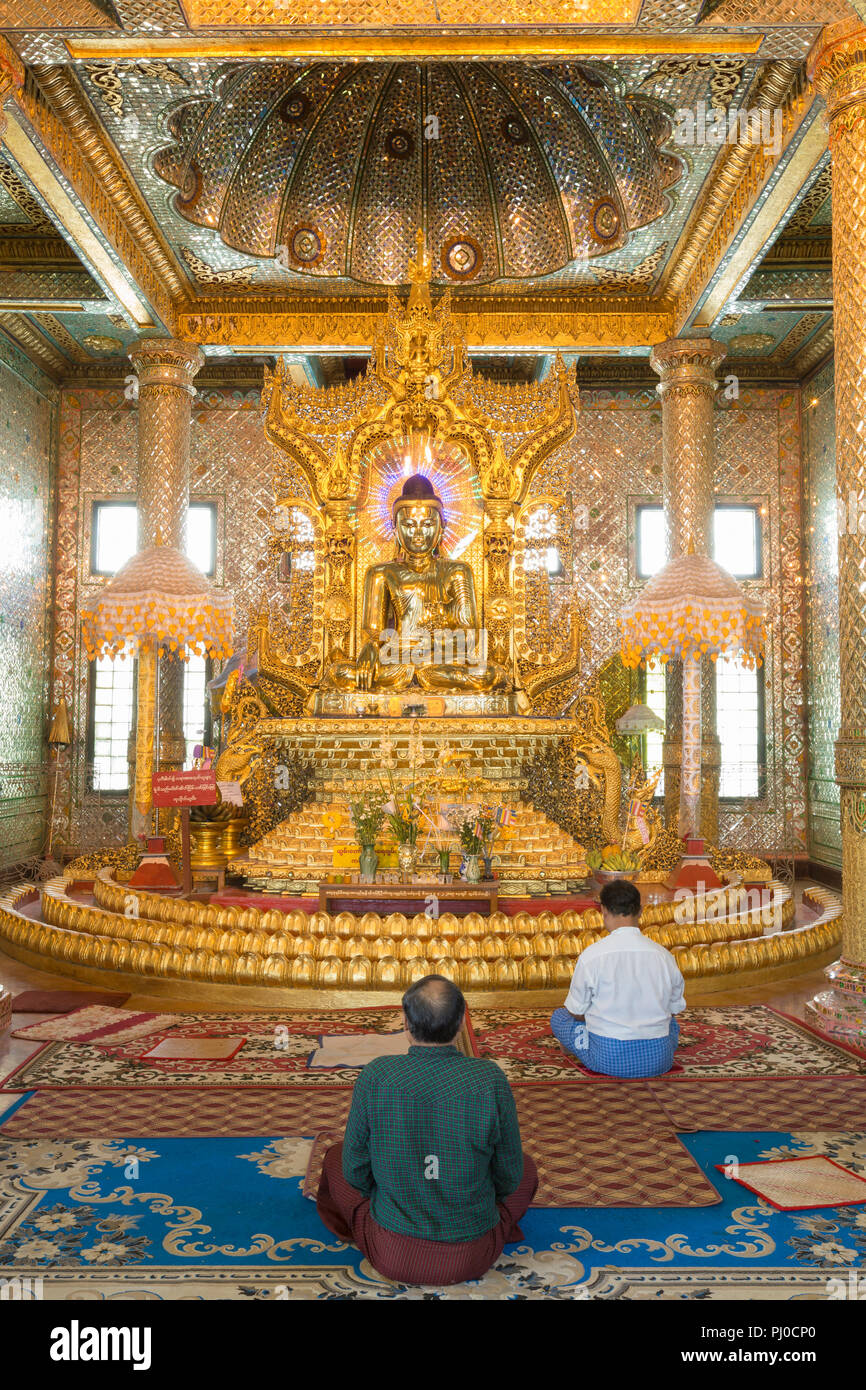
{"x":196,"y":788}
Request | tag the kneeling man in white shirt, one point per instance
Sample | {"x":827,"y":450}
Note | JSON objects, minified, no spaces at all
{"x":619,"y":1016}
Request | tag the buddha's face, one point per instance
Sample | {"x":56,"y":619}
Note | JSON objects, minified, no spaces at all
{"x":419,"y":528}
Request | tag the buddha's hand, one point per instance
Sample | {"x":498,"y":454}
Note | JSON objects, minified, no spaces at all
{"x":367,"y":666}
{"x":437,"y":615}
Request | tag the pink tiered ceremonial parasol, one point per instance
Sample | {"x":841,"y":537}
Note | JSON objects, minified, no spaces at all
{"x":691,"y":609}
{"x":158,"y":603}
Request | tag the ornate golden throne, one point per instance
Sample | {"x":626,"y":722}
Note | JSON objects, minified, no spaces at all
{"x":342,"y":454}
{"x":342,"y":458}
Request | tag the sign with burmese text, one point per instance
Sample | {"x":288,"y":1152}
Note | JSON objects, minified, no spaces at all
{"x":196,"y":788}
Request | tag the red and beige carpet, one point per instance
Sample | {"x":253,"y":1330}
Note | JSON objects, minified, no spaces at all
{"x":634,"y":1202}
{"x":738,"y":1041}
{"x":725,"y":1043}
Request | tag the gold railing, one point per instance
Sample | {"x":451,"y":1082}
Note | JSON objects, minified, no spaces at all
{"x":179,"y":940}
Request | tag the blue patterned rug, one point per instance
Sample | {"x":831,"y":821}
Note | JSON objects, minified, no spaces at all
{"x":225,"y":1218}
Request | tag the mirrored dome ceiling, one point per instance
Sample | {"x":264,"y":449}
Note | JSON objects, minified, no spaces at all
{"x":512,"y":171}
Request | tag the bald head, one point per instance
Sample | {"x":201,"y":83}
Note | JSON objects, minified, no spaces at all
{"x":434,"y":1009}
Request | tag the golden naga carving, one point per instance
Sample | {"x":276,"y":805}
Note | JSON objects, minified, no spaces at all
{"x":418,"y":398}
{"x":642,"y":792}
{"x":242,"y":706}
{"x":603,"y":769}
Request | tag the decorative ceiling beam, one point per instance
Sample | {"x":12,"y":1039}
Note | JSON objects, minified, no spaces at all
{"x":801,"y":288}
{"x":714,"y":255}
{"x":88,"y":245}
{"x":816,"y":350}
{"x":809,"y":151}
{"x":815,"y":252}
{"x":71,"y":107}
{"x":47,"y":250}
{"x":56,"y":306}
{"x":343,"y":325}
{"x":57,"y":143}
{"x":504,"y":44}
{"x":422,"y":15}
{"x":736,"y":184}
{"x":37,"y":347}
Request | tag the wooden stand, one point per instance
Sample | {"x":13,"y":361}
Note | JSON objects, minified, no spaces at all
{"x":200,"y":876}
{"x":185,"y":851}
{"x":486,"y":892}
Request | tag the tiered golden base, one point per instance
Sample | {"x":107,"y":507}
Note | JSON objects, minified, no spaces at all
{"x":345,"y":755}
{"x":269,"y":957}
{"x":306,"y":847}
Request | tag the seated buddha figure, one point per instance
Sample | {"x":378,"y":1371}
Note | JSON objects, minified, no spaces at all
{"x":420,"y":619}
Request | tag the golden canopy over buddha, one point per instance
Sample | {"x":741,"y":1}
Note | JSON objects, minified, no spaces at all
{"x":420,"y":619}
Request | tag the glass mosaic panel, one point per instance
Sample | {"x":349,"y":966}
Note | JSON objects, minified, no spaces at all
{"x":388,"y":209}
{"x":27,"y":421}
{"x":822,"y":590}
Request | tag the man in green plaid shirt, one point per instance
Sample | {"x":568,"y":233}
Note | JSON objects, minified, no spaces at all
{"x":431,"y":1179}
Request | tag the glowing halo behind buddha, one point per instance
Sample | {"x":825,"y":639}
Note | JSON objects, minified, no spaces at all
{"x":452,"y":479}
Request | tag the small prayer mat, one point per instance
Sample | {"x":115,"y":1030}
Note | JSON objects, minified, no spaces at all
{"x":348,"y":1050}
{"x":202,"y":1049}
{"x":62,"y":1001}
{"x":594,"y":1147}
{"x":97,"y":1024}
{"x":796,"y":1184}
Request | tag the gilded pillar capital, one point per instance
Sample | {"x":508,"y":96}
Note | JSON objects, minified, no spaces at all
{"x":166,"y":362}
{"x":837,"y":65}
{"x":688,"y":363}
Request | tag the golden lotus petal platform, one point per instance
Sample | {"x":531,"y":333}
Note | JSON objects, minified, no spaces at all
{"x":248,"y":957}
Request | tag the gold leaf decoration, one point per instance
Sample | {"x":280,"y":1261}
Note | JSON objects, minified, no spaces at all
{"x":641,"y":277}
{"x":207,"y":275}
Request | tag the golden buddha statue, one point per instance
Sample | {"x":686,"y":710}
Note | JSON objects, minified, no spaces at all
{"x":420,"y":619}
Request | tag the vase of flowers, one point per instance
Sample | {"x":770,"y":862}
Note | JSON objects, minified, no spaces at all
{"x":403,"y":810}
{"x":445,"y":862}
{"x":369,"y":862}
{"x":471,"y":868}
{"x":368,"y":817}
{"x":407,"y":858}
{"x":486,"y":827}
{"x":471,"y":843}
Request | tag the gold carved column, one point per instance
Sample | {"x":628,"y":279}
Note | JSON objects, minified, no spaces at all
{"x":340,"y":555}
{"x":837,"y":65}
{"x":687,"y":369}
{"x":498,"y":550}
{"x":165,"y":368}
